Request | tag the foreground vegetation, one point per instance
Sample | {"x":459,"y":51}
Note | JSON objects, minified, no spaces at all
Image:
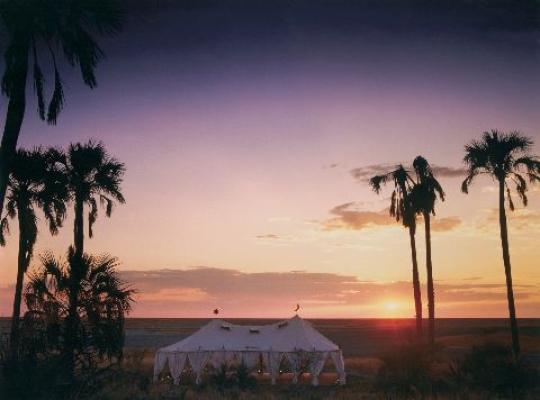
{"x":410,"y":372}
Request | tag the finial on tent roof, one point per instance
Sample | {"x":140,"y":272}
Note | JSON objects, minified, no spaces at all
{"x":297,"y":308}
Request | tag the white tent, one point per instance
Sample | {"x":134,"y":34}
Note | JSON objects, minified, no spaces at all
{"x":220,"y":342}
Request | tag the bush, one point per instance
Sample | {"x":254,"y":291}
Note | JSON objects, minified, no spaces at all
{"x":491,"y":369}
{"x":406,"y":372}
{"x":237,"y":377}
{"x":32,"y":377}
{"x":243,"y":378}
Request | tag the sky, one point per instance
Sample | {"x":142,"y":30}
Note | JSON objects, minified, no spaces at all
{"x":249,"y":129}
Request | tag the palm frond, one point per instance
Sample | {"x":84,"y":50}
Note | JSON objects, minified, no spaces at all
{"x":106,"y":17}
{"x":80,"y":48}
{"x":521,"y":187}
{"x":57,"y":100}
{"x":531,"y":165}
{"x":4,"y":230}
{"x":38,"y":85}
{"x":92,"y":215}
{"x":377,"y":181}
{"x":509,"y":198}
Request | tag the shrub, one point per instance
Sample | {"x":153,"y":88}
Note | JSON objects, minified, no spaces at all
{"x":236,"y":377}
{"x":243,"y":378}
{"x":492,"y":369}
{"x":406,"y":372}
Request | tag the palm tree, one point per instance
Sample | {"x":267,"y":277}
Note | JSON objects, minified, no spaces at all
{"x":504,"y":157}
{"x":424,"y":195}
{"x":401,"y":208}
{"x":35,"y":181}
{"x":104,"y":300}
{"x":92,"y":176}
{"x":54,"y":27}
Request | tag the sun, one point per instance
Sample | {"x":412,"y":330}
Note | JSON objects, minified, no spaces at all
{"x":393,"y":308}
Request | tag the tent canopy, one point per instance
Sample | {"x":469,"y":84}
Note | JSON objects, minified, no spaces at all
{"x":291,"y":335}
{"x":219,"y":341}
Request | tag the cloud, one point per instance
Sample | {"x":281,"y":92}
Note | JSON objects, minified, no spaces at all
{"x":520,"y":219}
{"x":187,"y":295}
{"x":472,"y":278}
{"x":445,"y":224}
{"x":346,"y":217}
{"x":268,"y":236}
{"x":196,"y":291}
{"x":363,"y":174}
{"x":331,"y":166}
{"x":449,"y":172}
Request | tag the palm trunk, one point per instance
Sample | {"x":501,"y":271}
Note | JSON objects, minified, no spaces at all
{"x":416,"y":285}
{"x":22,"y":264}
{"x":78,"y":228}
{"x":14,"y":119}
{"x":430,"y":287}
{"x":72,"y":320}
{"x":508,"y":271}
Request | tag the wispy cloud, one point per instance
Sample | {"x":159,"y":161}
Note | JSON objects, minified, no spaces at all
{"x":445,"y":224}
{"x":520,"y":219}
{"x":449,"y":172}
{"x":270,"y":236}
{"x":348,"y":216}
{"x":363,"y":174}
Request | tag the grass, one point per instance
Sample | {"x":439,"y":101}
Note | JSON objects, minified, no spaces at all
{"x":409,"y":373}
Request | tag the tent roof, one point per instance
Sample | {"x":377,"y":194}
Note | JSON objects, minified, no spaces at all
{"x":285,"y":336}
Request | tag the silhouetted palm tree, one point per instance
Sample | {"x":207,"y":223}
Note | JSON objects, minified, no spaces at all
{"x":401,"y":208}
{"x":92,"y":176}
{"x":103,"y":302}
{"x":53,"y":27}
{"x":424,"y":195}
{"x":504,"y":157}
{"x":34,"y":181}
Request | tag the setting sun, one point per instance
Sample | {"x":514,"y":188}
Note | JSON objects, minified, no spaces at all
{"x":396,"y":309}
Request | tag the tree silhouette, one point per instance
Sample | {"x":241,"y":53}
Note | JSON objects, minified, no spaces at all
{"x":424,"y":195}
{"x":57,"y":28}
{"x":99,"y":319}
{"x":504,"y":157}
{"x":92,"y":176}
{"x":34,"y":182}
{"x":401,"y":208}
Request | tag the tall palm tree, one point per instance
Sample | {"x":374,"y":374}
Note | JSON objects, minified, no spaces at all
{"x":92,"y":176}
{"x":424,"y":195}
{"x":401,"y":208}
{"x":54,"y":27}
{"x":504,"y":156}
{"x":104,"y":302}
{"x":34,"y":182}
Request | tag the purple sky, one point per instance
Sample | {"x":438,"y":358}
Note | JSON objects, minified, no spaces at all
{"x":240,"y":123}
